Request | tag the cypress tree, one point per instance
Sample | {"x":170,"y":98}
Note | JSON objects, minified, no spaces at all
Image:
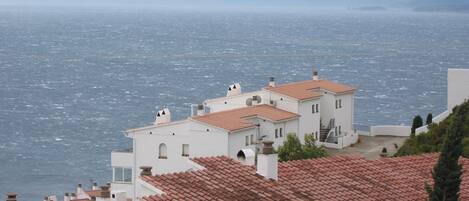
{"x":447,"y":172}
{"x":417,"y":122}
{"x":429,"y":118}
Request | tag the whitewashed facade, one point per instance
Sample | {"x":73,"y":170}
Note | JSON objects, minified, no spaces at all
{"x":166,"y":146}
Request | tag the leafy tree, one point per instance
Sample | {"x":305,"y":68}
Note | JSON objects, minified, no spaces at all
{"x":311,"y":150}
{"x":417,"y":122}
{"x":447,"y":172}
{"x":292,"y":149}
{"x":429,"y":119}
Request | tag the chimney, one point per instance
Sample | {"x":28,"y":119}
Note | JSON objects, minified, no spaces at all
{"x":271,"y":82}
{"x":80,"y":192}
{"x":46,"y":198}
{"x":73,"y":196}
{"x":67,"y":197}
{"x":163,"y":116}
{"x":11,"y":197}
{"x":95,"y":186}
{"x":267,"y":161}
{"x":234,"y":89}
{"x":105,"y":192}
{"x":315,"y":75}
{"x":146,"y":171}
{"x":200,"y":109}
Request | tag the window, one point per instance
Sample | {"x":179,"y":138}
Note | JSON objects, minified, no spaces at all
{"x":162,"y":151}
{"x":316,"y":136}
{"x":336,"y":104}
{"x":281,"y":132}
{"x":252,"y":139}
{"x":247,"y":140}
{"x":340,"y":129}
{"x":340,"y":103}
{"x":312,"y":108}
{"x":317,"y":107}
{"x":122,"y":174}
{"x":276,"y":133}
{"x":185,"y":149}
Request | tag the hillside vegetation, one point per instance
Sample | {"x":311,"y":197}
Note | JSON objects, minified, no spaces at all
{"x":432,"y":141}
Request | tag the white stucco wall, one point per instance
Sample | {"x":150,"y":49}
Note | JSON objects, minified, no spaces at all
{"x":237,"y":141}
{"x":390,"y":130}
{"x":458,"y":87}
{"x":284,"y":102}
{"x":233,"y":102}
{"x":344,"y":115}
{"x":327,"y":109}
{"x":173,"y":136}
{"x":308,"y":122}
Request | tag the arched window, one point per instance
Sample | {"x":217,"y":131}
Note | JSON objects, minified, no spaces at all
{"x":162,"y":154}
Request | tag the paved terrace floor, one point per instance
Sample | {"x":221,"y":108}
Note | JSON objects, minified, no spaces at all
{"x":370,"y":147}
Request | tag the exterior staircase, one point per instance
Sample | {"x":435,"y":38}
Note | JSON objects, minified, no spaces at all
{"x":324,"y":131}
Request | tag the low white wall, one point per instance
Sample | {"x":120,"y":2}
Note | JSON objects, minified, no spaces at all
{"x":390,"y":130}
{"x":439,"y":118}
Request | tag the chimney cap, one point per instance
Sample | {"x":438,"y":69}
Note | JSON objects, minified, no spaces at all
{"x":79,"y":185}
{"x":271,"y":79}
{"x":267,"y":147}
{"x":146,"y":170}
{"x":315,"y":72}
{"x":95,"y":183}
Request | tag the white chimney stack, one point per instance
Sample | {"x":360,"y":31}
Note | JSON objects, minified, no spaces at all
{"x":163,"y":116}
{"x":267,"y":161}
{"x":315,"y":75}
{"x":271,"y":82}
{"x":234,"y":89}
{"x":95,"y":186}
{"x":80,"y":192}
{"x":67,"y":197}
{"x":200,"y":109}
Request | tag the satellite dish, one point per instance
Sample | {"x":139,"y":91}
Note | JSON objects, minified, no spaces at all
{"x":249,"y":102}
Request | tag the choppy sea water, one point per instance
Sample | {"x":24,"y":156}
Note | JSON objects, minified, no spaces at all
{"x":71,"y":80}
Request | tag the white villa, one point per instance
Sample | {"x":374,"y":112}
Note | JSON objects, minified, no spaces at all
{"x":235,"y":126}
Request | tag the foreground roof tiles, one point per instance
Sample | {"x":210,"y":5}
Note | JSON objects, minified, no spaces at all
{"x":331,"y":178}
{"x":236,"y":119}
{"x":309,"y":89}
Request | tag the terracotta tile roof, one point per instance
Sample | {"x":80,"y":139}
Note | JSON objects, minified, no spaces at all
{"x":235,"y":119}
{"x":331,"y":178}
{"x":306,"y":89}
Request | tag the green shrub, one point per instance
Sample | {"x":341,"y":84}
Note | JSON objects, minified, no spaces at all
{"x":292,"y":149}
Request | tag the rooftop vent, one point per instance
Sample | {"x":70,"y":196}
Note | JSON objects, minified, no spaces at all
{"x":271,"y":82}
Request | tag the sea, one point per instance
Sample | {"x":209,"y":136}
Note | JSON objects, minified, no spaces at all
{"x":72,"y":80}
